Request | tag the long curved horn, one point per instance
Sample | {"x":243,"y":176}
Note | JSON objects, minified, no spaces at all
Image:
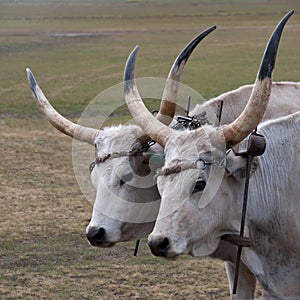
{"x":76,"y":131}
{"x":169,"y":98}
{"x":154,"y":128}
{"x":257,"y":104}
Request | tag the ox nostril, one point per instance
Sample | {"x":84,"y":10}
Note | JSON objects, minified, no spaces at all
{"x":96,"y":235}
{"x":99,"y":236}
{"x":160,"y":246}
{"x":163,"y":245}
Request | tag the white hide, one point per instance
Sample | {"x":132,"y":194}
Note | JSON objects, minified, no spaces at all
{"x":121,"y":138}
{"x":272,"y":222}
{"x":126,"y":211}
{"x":285,"y":99}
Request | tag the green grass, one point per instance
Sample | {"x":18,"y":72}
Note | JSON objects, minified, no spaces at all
{"x":73,"y":70}
{"x":43,"y":251}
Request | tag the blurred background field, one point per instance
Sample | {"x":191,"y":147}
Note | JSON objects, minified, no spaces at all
{"x":77,"y":49}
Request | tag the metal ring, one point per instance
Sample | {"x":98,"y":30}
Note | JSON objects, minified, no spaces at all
{"x":203,"y":161}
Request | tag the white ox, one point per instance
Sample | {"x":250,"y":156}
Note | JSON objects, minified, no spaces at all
{"x":102,"y":230}
{"x":189,"y":224}
{"x":117,"y":139}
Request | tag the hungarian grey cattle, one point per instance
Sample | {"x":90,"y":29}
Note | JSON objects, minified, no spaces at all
{"x":102,"y":230}
{"x":198,"y":208}
{"x":105,"y":231}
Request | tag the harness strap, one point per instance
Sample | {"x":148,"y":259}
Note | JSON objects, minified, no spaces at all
{"x":132,"y":152}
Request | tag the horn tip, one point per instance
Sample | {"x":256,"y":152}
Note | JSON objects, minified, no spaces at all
{"x":31,"y":79}
{"x":269,"y":58}
{"x":183,"y":57}
{"x":129,"y":70}
{"x":32,"y":83}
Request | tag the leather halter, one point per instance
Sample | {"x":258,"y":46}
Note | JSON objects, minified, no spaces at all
{"x":199,"y":164}
{"x":136,"y":151}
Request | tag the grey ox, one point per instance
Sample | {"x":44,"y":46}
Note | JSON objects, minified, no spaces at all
{"x":198,"y":208}
{"x":104,"y":231}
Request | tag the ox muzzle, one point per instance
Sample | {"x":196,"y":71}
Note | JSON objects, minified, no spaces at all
{"x":160,"y":246}
{"x":97,"y":237}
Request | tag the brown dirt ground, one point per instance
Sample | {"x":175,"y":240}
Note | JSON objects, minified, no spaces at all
{"x":44,"y":253}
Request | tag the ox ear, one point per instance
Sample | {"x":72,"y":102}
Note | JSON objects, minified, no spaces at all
{"x":236,"y":165}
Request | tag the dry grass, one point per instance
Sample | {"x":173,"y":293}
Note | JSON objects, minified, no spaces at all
{"x":44,"y":253}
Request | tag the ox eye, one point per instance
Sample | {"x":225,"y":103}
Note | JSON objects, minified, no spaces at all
{"x":125,"y":178}
{"x":200,"y":185}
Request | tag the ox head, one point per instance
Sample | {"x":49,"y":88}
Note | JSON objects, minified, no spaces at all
{"x":123,"y":178}
{"x":196,"y":192}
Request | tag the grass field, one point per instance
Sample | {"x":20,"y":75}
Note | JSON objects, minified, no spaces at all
{"x":77,"y":49}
